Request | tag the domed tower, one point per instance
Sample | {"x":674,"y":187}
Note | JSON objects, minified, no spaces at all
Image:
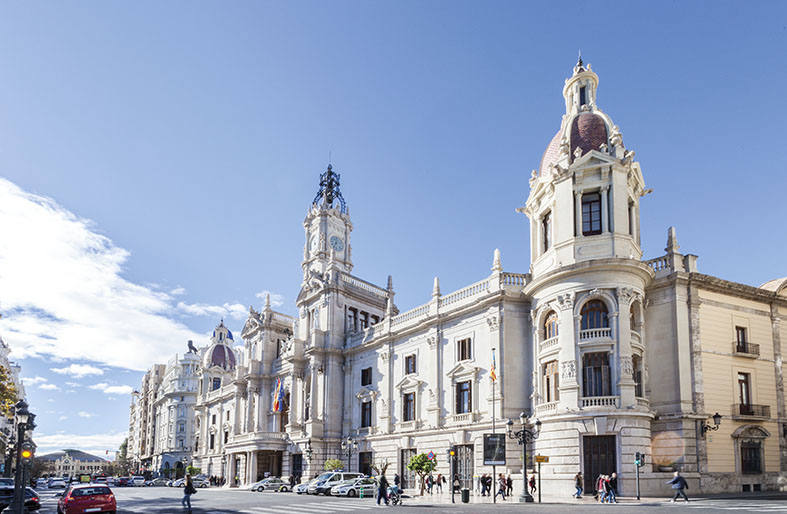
{"x":218,"y":359}
{"x":587,"y":290}
{"x":584,"y":196}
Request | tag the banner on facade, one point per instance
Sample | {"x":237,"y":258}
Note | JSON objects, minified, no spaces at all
{"x":494,"y":449}
{"x":278,"y":396}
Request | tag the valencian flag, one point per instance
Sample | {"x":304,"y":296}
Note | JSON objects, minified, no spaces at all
{"x":492,"y":373}
{"x":278,"y":396}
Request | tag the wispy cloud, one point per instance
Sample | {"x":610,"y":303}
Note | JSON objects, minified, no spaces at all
{"x":78,"y":370}
{"x":49,"y":387}
{"x":178,"y":291}
{"x":96,"y":444}
{"x":277,"y":300}
{"x":112,"y":389}
{"x":228,"y":310}
{"x":31,"y":381}
{"x":83,"y":414}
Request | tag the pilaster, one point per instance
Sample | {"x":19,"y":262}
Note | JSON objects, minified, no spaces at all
{"x":569,"y":387}
{"x":624,"y":355}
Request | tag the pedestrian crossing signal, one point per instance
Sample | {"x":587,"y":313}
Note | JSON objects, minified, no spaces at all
{"x":639,"y":459}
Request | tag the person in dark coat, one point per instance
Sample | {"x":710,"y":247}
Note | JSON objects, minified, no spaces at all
{"x":678,"y":485}
{"x":382,"y":489}
{"x":509,"y":485}
{"x":612,"y":488}
{"x":188,"y":490}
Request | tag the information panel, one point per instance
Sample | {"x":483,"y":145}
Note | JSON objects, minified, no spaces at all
{"x":494,"y":449}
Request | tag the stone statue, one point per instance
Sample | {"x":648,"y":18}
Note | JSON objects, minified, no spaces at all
{"x":192,"y":348}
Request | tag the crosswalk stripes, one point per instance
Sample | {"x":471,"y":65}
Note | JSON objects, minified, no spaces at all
{"x":732,"y":505}
{"x":310,"y":508}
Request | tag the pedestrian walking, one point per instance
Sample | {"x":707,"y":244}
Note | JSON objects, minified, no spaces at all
{"x":509,"y":485}
{"x":482,"y":480}
{"x":188,"y":490}
{"x":382,"y":489}
{"x":429,"y":483}
{"x":397,"y":480}
{"x":456,"y":483}
{"x":501,"y":486}
{"x":578,"y":483}
{"x":292,"y":481}
{"x":532,"y":484}
{"x":612,"y":488}
{"x":678,"y":485}
{"x":440,"y":482}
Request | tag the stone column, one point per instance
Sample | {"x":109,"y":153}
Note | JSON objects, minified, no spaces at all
{"x":624,"y":355}
{"x":604,"y":209}
{"x":569,"y":388}
{"x":578,"y":212}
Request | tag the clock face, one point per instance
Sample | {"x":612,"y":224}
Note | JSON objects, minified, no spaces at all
{"x":337,"y":243}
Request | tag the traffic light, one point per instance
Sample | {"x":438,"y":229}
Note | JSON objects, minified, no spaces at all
{"x":639,"y":459}
{"x":27,"y":452}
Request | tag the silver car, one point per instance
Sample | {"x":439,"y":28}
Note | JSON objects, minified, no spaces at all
{"x":363,"y":487}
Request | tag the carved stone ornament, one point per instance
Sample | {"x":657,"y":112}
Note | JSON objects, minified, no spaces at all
{"x":493,"y":323}
{"x":565,"y":148}
{"x":577,"y":152}
{"x":625,"y":294}
{"x":625,"y":365}
{"x":384,"y":356}
{"x":602,"y":147}
{"x":566,"y":301}
{"x":431,"y":341}
{"x":615,"y":139}
{"x":568,"y":369}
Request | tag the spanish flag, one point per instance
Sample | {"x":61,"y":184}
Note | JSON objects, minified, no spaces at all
{"x":492,"y":373}
{"x":278,"y":396}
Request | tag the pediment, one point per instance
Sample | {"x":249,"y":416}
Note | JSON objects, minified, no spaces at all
{"x":463,"y":369}
{"x":366,"y":392}
{"x":252,"y":325}
{"x":408,"y":382}
{"x":594,"y":158}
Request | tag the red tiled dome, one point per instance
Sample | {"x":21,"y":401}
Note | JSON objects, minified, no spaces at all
{"x":588,"y":132}
{"x":222,"y":356}
{"x":550,"y":156}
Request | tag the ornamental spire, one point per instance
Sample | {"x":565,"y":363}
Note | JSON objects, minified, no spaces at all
{"x":329,"y":191}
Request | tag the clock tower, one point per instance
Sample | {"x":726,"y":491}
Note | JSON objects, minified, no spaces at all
{"x":327,"y":227}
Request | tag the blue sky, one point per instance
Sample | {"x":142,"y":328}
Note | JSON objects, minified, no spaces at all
{"x":158,"y":158}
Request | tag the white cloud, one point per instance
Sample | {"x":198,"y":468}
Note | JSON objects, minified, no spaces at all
{"x":62,"y":418}
{"x":83,"y":414}
{"x":231,"y":310}
{"x":178,"y":291}
{"x":31,"y":381}
{"x":64,"y":293}
{"x":78,"y":370}
{"x":95,"y":444}
{"x":277,"y":300}
{"x":49,"y":387}
{"x":112,"y":389}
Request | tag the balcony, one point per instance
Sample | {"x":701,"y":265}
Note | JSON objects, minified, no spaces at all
{"x":549,"y":344}
{"x":546,"y":409}
{"x":595,"y":333}
{"x":600,"y":401}
{"x":464,"y":418}
{"x":750,"y":411}
{"x":743,"y":349}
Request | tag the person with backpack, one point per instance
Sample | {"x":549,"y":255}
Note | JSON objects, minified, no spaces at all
{"x":188,"y":490}
{"x":578,"y":483}
{"x":532,"y":484}
{"x":678,"y":485}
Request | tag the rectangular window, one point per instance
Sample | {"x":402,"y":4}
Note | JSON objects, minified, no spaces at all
{"x":366,"y":414}
{"x":551,"y":382}
{"x":352,"y":319}
{"x":463,"y":349}
{"x":226,"y":437}
{"x":546,"y":229}
{"x":631,"y":218}
{"x":744,"y":389}
{"x":596,"y":380}
{"x":212,"y":441}
{"x":213,"y":420}
{"x":366,"y":376}
{"x":409,"y":364}
{"x":408,"y":408}
{"x":583,"y":97}
{"x":216,"y":383}
{"x":637,"y":365}
{"x":375,"y":319}
{"x":278,"y":348}
{"x":364,"y":320}
{"x":751,"y":457}
{"x":740,"y":339}
{"x":463,"y":397}
{"x":591,"y":214}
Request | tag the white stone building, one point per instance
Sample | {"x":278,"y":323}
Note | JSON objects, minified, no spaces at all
{"x":606,"y":349}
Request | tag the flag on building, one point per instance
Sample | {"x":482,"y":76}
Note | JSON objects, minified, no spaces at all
{"x":278,"y":396}
{"x":492,"y":373}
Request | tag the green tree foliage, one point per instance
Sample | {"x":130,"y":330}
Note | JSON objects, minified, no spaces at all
{"x":191,"y":470}
{"x":422,"y":465}
{"x":333,"y":464}
{"x":8,"y":392}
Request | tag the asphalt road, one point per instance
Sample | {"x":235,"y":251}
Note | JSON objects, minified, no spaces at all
{"x":166,"y":500}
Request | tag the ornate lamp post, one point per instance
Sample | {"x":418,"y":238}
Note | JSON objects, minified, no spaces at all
{"x":715,"y":426}
{"x":349,"y":445}
{"x":523,"y":437}
{"x":23,"y":419}
{"x":185,"y":461}
{"x":308,"y":451}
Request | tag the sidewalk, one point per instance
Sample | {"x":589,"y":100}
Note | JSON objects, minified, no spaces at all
{"x":445,"y":497}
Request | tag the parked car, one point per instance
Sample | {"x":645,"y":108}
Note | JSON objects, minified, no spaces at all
{"x":56,"y":483}
{"x":354,"y":487}
{"x":7,"y":496}
{"x":304,"y":487}
{"x":41,"y":483}
{"x":180,"y":482}
{"x":271,"y":484}
{"x":100,"y":480}
{"x":202,"y":483}
{"x":137,"y":481}
{"x":7,"y":481}
{"x":156,"y":482}
{"x":122,"y":481}
{"x":81,"y":498}
{"x":329,"y":479}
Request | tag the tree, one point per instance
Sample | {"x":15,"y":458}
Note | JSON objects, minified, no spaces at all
{"x":333,"y":465}
{"x":191,"y":470}
{"x":122,"y":465}
{"x":422,"y":465}
{"x":380,"y":467}
{"x":8,"y":392}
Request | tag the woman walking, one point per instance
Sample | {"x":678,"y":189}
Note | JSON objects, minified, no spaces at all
{"x":532,"y":484}
{"x":579,"y":485}
{"x":188,"y":490}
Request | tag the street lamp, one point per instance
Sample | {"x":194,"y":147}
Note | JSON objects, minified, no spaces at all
{"x":715,"y":426}
{"x":23,"y":418}
{"x":308,"y":451}
{"x":348,"y":445}
{"x":523,"y":437}
{"x":185,"y":461}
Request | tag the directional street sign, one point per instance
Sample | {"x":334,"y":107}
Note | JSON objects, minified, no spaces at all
{"x":542,"y":458}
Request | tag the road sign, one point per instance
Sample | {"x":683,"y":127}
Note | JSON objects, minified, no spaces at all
{"x":494,"y":449}
{"x":430,"y":455}
{"x":542,"y":458}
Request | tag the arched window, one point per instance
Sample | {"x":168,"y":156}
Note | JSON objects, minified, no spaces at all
{"x":594,"y":315}
{"x":550,"y":325}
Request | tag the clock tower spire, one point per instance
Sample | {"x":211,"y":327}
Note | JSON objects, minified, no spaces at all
{"x":327,"y":227}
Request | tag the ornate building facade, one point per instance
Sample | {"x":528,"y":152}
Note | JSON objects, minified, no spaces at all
{"x":613,"y":354}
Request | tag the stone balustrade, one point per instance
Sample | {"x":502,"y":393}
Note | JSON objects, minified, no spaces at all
{"x":547,"y":344}
{"x":660,"y":265}
{"x":546,"y":409}
{"x":363,"y":285}
{"x":595,"y":333}
{"x":600,"y":401}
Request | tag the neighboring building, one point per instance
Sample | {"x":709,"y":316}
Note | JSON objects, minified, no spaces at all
{"x":142,"y":420}
{"x":73,"y":462}
{"x":613,"y":354}
{"x":7,"y":425}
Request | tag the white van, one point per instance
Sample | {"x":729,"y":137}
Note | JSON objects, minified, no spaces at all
{"x":324,"y":482}
{"x":137,"y":481}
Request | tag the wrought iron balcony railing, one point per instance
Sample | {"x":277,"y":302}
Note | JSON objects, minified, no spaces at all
{"x":748,"y":349}
{"x":751,"y":410}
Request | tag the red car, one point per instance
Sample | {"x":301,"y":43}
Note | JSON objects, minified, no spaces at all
{"x":79,"y":499}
